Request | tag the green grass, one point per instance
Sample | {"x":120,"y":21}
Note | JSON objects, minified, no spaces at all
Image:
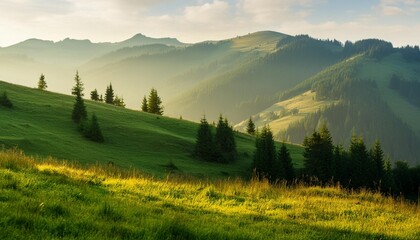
{"x":47,"y":199}
{"x":40,"y":124}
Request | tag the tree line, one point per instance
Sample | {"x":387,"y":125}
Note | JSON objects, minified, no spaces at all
{"x":326,"y":163}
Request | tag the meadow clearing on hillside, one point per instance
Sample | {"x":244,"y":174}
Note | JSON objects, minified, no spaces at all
{"x":49,"y":199}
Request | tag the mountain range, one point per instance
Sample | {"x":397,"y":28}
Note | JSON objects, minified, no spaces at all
{"x":292,"y":83}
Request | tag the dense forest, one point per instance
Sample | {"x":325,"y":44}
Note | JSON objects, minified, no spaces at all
{"x":358,"y":112}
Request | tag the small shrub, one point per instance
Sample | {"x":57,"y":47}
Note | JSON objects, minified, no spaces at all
{"x":5,"y":101}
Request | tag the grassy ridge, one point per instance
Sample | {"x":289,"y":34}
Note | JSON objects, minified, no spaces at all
{"x":47,"y":199}
{"x":40,"y":124}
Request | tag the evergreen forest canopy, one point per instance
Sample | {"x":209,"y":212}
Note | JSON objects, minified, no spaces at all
{"x":242,"y":77}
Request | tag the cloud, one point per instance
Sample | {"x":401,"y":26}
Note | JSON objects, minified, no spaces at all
{"x":268,"y":11}
{"x":399,"y":7}
{"x":208,"y":12}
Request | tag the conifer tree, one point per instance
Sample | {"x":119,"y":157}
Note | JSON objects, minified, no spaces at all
{"x":360,"y":172}
{"x":250,"y":129}
{"x":92,"y":131}
{"x":154,"y":103}
{"x":327,"y":154}
{"x":78,"y":87}
{"x":144,"y":105}
{"x":94,"y":95}
{"x":225,"y":145}
{"x":109,"y":94}
{"x":388,"y":184}
{"x":79,"y":113}
{"x":377,"y":156}
{"x":265,"y":154}
{"x":42,"y":84}
{"x":119,"y":102}
{"x":318,"y":155}
{"x":204,"y":145}
{"x":285,"y":166}
{"x":101,"y":98}
{"x":5,"y":101}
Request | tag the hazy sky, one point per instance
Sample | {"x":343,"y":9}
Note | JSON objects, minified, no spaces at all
{"x":397,"y":21}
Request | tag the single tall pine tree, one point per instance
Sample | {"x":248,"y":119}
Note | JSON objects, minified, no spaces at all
{"x":265,"y":155}
{"x":78,"y":87}
{"x":204,"y":145}
{"x":144,"y":104}
{"x":377,"y":156}
{"x":79,"y":113}
{"x":285,"y":166}
{"x":109,"y":94}
{"x":250,"y":129}
{"x":42,"y":84}
{"x":154,"y":103}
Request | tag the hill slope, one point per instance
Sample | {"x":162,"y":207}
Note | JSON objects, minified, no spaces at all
{"x":40,"y":124}
{"x":48,"y":200}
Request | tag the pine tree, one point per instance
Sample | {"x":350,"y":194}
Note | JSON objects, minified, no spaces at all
{"x":79,"y":113}
{"x":285,"y":166}
{"x":5,"y":101}
{"x":119,"y":102}
{"x":377,"y":156}
{"x":42,"y":84}
{"x":327,"y":154}
{"x":360,"y":171}
{"x":265,"y":154}
{"x":154,"y":103}
{"x":319,"y":155}
{"x":204,"y":145}
{"x":225,"y":145}
{"x":388,"y":183}
{"x":144,"y":105}
{"x":250,"y":129}
{"x":109,"y":94}
{"x":92,"y":131}
{"x":94,"y":95}
{"x":101,"y":99}
{"x":78,"y":87}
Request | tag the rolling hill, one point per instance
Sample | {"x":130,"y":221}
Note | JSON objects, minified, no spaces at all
{"x":40,"y":124}
{"x":271,"y":76}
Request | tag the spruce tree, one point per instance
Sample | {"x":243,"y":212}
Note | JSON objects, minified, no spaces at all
{"x":119,"y":102}
{"x":154,"y":103}
{"x":250,"y":129}
{"x":92,"y":131}
{"x":94,"y":95}
{"x":78,"y":87}
{"x":377,"y":156}
{"x":204,"y":145}
{"x":285,"y":166}
{"x":79,"y":113}
{"x":144,"y":105}
{"x":109,"y":94}
{"x":388,"y":184}
{"x":265,"y":155}
{"x":42,"y":84}
{"x":319,"y":155}
{"x":225,"y":145}
{"x":5,"y":101}
{"x":327,"y":155}
{"x":360,"y":171}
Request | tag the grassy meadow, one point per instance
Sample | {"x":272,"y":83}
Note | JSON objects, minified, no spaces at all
{"x":40,"y":124}
{"x":51,"y":199}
